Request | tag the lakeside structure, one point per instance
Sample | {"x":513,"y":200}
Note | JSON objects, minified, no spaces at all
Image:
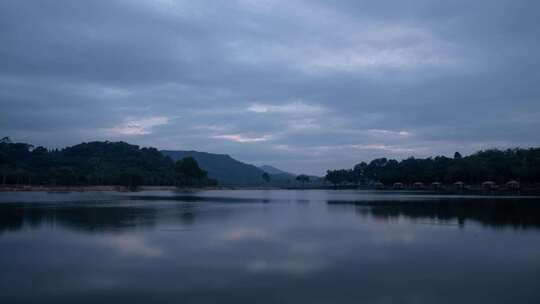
{"x":109,"y":166}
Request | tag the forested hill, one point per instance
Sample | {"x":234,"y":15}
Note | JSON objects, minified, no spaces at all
{"x":118,"y":163}
{"x":92,"y":163}
{"x":273,"y":170}
{"x":495,"y":165}
{"x":222,"y":167}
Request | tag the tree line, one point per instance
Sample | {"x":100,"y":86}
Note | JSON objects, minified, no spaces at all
{"x":495,"y":165}
{"x":95,"y":163}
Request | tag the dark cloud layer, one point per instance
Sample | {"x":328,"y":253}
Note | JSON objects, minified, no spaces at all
{"x":303,"y":85}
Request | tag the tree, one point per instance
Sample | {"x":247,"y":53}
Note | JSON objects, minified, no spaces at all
{"x":332,"y":176}
{"x":337,"y":177}
{"x":132,"y":179}
{"x":188,"y":172}
{"x":302,"y":178}
{"x":4,"y":166}
{"x":266,"y":177}
{"x":496,"y":165}
{"x":359,"y":172}
{"x":93,"y":163}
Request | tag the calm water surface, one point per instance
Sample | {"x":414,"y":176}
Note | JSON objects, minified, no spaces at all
{"x":268,"y":247}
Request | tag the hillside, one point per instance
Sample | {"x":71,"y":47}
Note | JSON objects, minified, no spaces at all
{"x":92,"y":163}
{"x":227,"y":170}
{"x":273,"y":170}
{"x":498,"y":166}
{"x":119,"y":163}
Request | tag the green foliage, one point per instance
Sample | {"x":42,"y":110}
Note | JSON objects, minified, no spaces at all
{"x":188,"y":172}
{"x":337,"y":177}
{"x":93,"y":163}
{"x":496,"y":165}
{"x":302,"y":178}
{"x":222,"y":167}
{"x":266,"y":177}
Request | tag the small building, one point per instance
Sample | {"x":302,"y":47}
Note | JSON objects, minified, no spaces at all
{"x":436,"y":185}
{"x":514,"y":185}
{"x":418,"y":185}
{"x":398,"y":186}
{"x":459,"y":185}
{"x":490,"y":185}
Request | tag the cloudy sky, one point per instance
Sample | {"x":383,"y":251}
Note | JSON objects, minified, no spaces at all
{"x":302,"y":85}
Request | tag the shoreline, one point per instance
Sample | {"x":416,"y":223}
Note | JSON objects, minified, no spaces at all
{"x":61,"y":189}
{"x":67,"y":189}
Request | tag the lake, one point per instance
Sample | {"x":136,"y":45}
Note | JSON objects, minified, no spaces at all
{"x":273,"y":246}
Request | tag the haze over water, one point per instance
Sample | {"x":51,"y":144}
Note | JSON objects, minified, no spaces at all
{"x":268,"y":247}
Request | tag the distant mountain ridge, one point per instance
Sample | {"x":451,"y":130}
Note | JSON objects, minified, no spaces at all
{"x":227,"y":170}
{"x":231,"y":172}
{"x":273,"y":170}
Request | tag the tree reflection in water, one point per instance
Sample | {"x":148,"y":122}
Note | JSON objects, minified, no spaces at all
{"x":494,"y":212}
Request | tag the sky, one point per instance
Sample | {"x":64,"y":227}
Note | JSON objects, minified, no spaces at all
{"x":305,"y":86}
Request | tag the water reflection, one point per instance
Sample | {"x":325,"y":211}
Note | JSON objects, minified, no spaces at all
{"x":99,"y":218}
{"x":84,"y":218}
{"x":131,"y":245}
{"x":268,"y":247}
{"x":143,"y":213}
{"x":514,"y":213}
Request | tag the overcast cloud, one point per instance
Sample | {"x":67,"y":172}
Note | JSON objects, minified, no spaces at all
{"x":302,"y":85}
